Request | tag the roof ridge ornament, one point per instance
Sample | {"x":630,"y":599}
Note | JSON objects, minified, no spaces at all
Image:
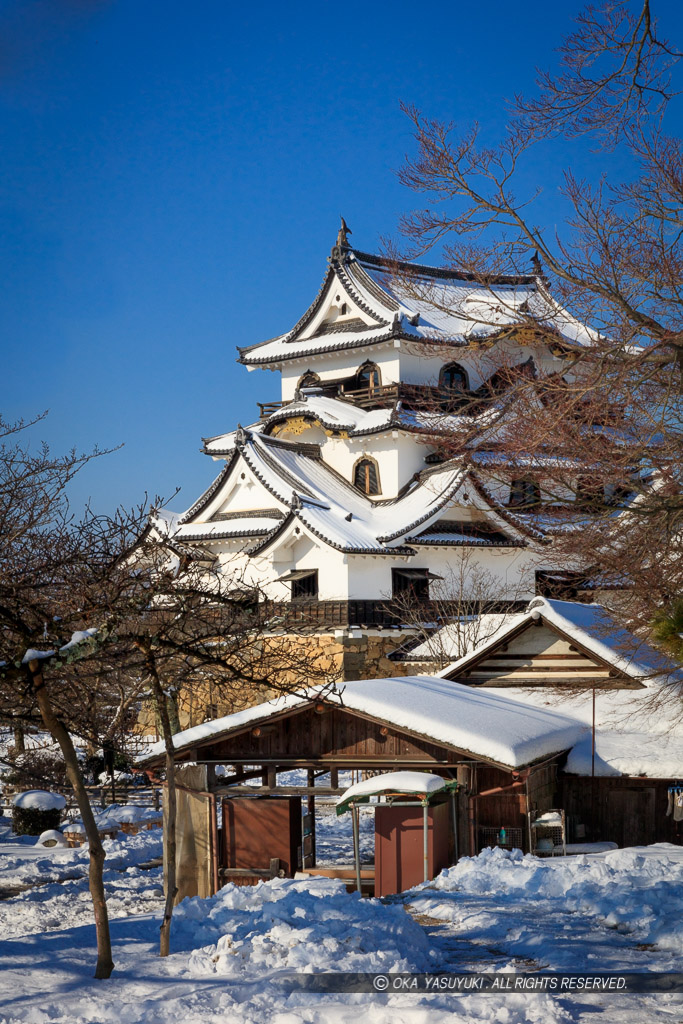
{"x":240,"y":436}
{"x":295,"y":503}
{"x":342,"y":242}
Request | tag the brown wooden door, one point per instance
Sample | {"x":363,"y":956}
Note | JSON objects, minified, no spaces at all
{"x":629,"y":816}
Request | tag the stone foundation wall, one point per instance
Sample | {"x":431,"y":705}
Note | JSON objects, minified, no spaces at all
{"x":352,"y":655}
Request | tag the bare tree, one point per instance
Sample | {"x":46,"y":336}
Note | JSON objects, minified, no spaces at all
{"x":97,"y":615}
{"x":464,"y":610}
{"x":601,"y":434}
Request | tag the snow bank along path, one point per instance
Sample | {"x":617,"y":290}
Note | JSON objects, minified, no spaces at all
{"x":229,"y":951}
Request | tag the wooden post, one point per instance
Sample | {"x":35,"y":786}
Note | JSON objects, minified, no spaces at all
{"x":425,"y":839}
{"x":311,"y":813}
{"x":271,"y":776}
{"x":356,"y":847}
{"x":334,"y":778}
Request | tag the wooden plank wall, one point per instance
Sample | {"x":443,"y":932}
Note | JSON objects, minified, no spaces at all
{"x":629,"y":812}
{"x":336,"y":732}
{"x":538,"y":656}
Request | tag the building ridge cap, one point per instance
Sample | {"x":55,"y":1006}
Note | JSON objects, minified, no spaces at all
{"x":388,"y":262}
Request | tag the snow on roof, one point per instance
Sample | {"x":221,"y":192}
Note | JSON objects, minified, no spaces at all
{"x":333,"y":509}
{"x":629,"y":753}
{"x":638,"y":732}
{"x":330,"y":506}
{"x":228,"y":723}
{"x":420,"y":303}
{"x":591,"y":626}
{"x":419,"y":783}
{"x":242,"y":526}
{"x":480,"y":723}
{"x":460,"y":638}
{"x":336,"y":414}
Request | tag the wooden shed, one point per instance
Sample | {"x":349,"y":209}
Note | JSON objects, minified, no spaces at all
{"x":504,"y":754}
{"x":614,"y":784}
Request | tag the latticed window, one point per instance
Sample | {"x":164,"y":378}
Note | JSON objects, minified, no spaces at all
{"x":365,"y":476}
{"x":524,"y":493}
{"x":453,"y":377}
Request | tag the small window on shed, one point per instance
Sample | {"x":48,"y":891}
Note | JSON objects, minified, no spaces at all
{"x":524,"y":494}
{"x":366,"y":476}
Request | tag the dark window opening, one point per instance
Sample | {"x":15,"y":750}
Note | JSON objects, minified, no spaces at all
{"x":366,"y":477}
{"x":525,"y":494}
{"x":309,"y":380}
{"x":344,"y":309}
{"x":412,"y":584}
{"x":453,"y":377}
{"x":304,"y":588}
{"x":369,"y":377}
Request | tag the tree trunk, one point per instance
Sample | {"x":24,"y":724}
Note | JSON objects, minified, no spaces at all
{"x":173,"y":712}
{"x":105,"y":964}
{"x":19,"y":744}
{"x":162,"y":705}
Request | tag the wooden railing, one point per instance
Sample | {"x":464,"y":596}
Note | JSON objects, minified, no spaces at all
{"x":423,"y":396}
{"x":376,"y":613}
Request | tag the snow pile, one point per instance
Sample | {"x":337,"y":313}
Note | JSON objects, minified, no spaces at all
{"x":309,"y":925}
{"x":638,"y":890}
{"x":38,"y":800}
{"x":119,"y":814}
{"x":51,"y":838}
{"x":32,"y":865}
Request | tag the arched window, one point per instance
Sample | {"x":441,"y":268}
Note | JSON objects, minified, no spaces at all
{"x":524,"y":494}
{"x":308,"y":380}
{"x":368,"y":376}
{"x":453,"y":377}
{"x":366,"y":476}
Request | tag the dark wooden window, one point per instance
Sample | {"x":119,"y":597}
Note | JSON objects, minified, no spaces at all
{"x":453,"y":377}
{"x":368,"y":377}
{"x":305,"y":587}
{"x":366,"y":477}
{"x":309,"y":380}
{"x":410,"y":584}
{"x":524,"y":494}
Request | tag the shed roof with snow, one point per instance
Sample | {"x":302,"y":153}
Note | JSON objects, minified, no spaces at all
{"x":411,"y":720}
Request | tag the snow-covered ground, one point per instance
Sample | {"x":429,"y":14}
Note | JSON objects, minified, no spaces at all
{"x":497,"y":912}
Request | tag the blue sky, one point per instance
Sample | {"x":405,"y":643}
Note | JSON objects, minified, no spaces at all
{"x":172,"y":179}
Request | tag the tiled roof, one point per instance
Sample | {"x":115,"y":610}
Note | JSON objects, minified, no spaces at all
{"x":419,"y":303}
{"x":309,"y":491}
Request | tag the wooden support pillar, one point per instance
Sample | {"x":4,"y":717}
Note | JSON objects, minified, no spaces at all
{"x":334,"y":778}
{"x":311,"y":812}
{"x":271,"y":777}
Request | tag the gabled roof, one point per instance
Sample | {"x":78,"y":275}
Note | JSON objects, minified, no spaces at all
{"x":417,"y":303}
{"x":311,"y":493}
{"x":491,"y":727}
{"x":591,"y":628}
